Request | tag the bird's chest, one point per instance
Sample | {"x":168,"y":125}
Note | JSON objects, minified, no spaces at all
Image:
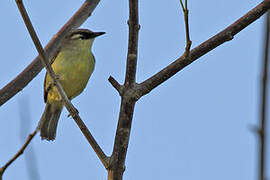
{"x":74,"y":73}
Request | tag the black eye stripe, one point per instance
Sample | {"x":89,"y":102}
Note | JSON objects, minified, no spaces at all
{"x":86,"y":35}
{"x":83,"y":35}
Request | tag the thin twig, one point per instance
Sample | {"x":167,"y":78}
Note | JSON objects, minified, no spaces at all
{"x":32,"y":70}
{"x":188,"y":41}
{"x":182,"y":5}
{"x":263,"y":105}
{"x":20,"y":152}
{"x":116,"y":85}
{"x":72,"y":110}
{"x":224,"y":36}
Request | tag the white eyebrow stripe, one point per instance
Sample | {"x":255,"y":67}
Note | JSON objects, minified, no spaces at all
{"x":76,"y":36}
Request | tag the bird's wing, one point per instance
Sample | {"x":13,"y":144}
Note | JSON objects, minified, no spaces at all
{"x":49,"y":86}
{"x":46,"y":89}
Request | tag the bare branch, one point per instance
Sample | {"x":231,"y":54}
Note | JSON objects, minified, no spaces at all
{"x":188,"y":41}
{"x":132,"y":91}
{"x":116,"y":85}
{"x":20,"y":152}
{"x":72,"y":110}
{"x":225,"y":35}
{"x":32,"y":70}
{"x":263,"y":106}
{"x":117,"y":160}
{"x":132,"y":43}
{"x":182,"y":5}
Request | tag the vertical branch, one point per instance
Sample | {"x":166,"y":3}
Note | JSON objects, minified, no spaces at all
{"x":118,"y":158}
{"x":264,"y":89}
{"x":129,"y":97}
{"x":132,"y":43}
{"x":188,"y":41}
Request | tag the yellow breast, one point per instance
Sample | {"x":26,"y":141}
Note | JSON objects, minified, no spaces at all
{"x":73,"y":69}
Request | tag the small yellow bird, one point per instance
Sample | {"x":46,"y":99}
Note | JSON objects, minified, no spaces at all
{"x":73,"y":65}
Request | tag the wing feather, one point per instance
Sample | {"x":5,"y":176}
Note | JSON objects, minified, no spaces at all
{"x":46,"y":89}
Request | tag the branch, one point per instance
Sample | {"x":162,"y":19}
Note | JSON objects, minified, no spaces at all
{"x":225,"y":35}
{"x":128,"y":95}
{"x":116,"y":85}
{"x":133,"y":91}
{"x":20,"y":152}
{"x":32,"y":70}
{"x":132,"y":43}
{"x":72,"y":110}
{"x":264,"y":95}
{"x":188,"y":41}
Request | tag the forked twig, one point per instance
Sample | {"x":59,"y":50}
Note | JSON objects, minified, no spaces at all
{"x":225,"y":35}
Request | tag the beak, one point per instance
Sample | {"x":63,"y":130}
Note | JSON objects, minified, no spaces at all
{"x":96,"y":34}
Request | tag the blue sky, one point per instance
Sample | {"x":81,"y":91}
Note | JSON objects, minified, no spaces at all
{"x":195,"y":126}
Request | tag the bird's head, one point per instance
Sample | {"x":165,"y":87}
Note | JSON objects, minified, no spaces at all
{"x":82,"y":37}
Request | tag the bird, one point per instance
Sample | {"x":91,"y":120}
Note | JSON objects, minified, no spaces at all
{"x":73,"y":66}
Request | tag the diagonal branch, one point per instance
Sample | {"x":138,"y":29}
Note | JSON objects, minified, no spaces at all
{"x":225,"y":35}
{"x":32,"y":70}
{"x":72,"y":110}
{"x":116,"y":85}
{"x":20,"y":152}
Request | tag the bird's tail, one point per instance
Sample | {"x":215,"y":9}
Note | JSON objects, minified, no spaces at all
{"x":49,"y":120}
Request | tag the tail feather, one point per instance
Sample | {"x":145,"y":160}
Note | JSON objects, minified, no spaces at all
{"x":49,"y":120}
